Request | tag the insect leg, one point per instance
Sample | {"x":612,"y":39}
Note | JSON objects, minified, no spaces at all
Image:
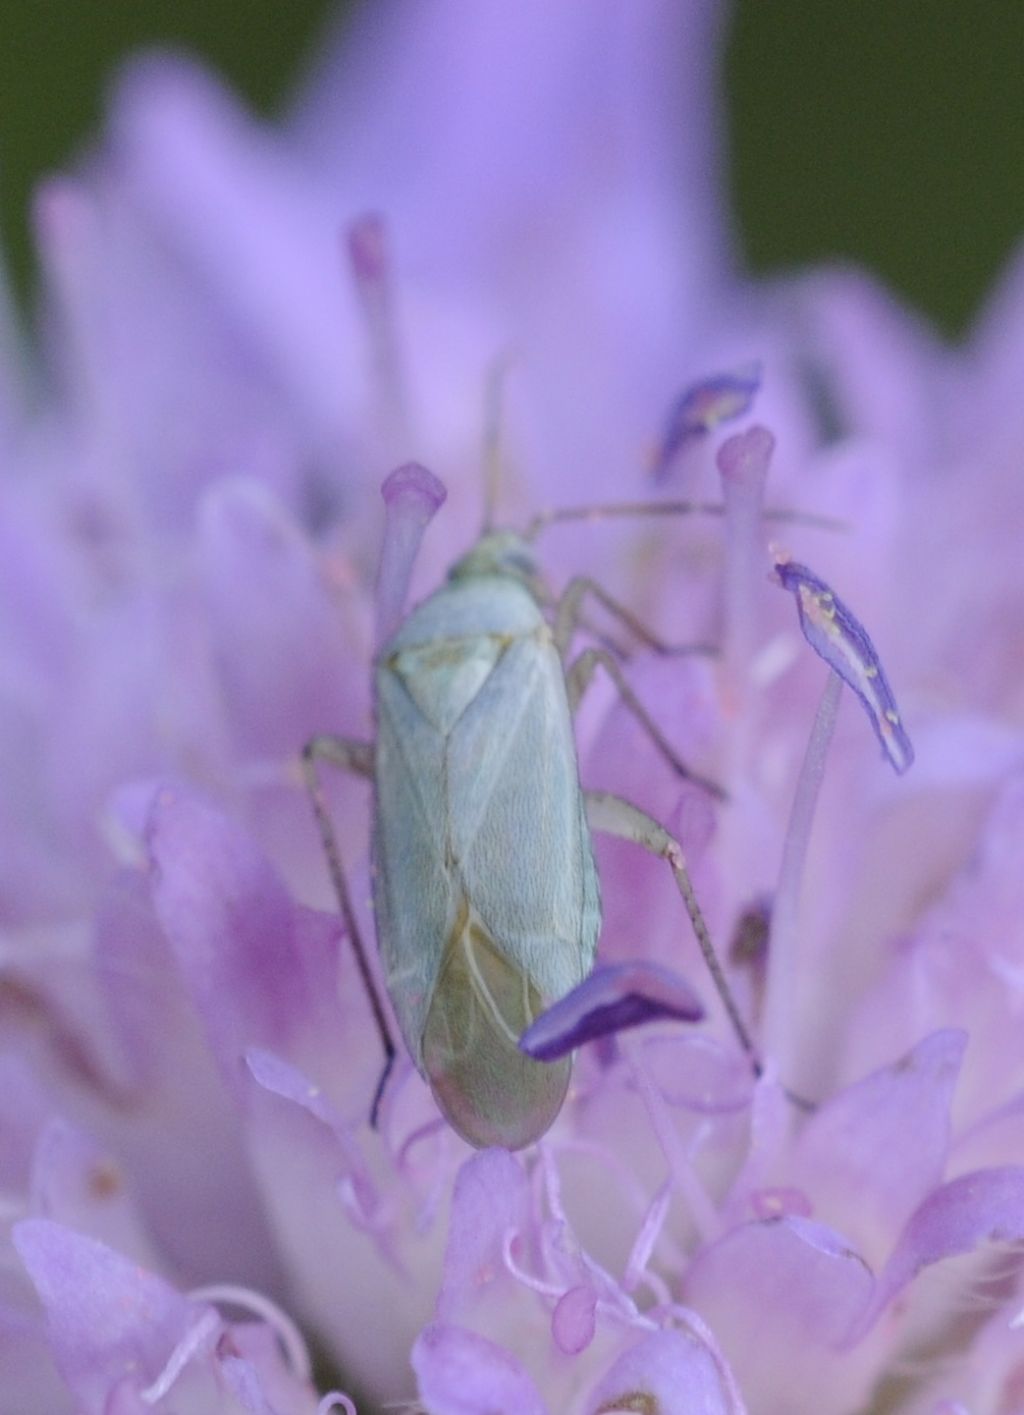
{"x":612,"y":815}
{"x":356,"y":757}
{"x":569,"y":617}
{"x":578,"y":678}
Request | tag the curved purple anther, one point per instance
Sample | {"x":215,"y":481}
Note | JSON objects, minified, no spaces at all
{"x":702,"y":407}
{"x":837,"y":635}
{"x":611,"y":999}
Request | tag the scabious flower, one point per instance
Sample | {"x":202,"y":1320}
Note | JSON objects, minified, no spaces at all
{"x":242,"y":331}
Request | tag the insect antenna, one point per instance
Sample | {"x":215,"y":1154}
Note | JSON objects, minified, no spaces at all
{"x":601,"y":511}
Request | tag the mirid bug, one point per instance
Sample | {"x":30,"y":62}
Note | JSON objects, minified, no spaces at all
{"x":480,"y":817}
{"x":486,"y":895}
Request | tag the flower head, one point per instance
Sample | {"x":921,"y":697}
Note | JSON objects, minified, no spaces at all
{"x":487,"y":239}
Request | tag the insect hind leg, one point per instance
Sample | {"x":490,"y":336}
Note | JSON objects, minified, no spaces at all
{"x":613,"y":815}
{"x":580,"y":674}
{"x":353,"y":756}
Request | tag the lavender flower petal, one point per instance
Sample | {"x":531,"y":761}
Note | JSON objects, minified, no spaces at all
{"x":491,"y":1199}
{"x":461,"y":1373}
{"x":75,"y":1183}
{"x":698,"y":1072}
{"x":132,"y":1320}
{"x":151,"y":994}
{"x":463,"y":155}
{"x":235,"y":208}
{"x":986,"y":1206}
{"x":672,"y":1371}
{"x":799,"y":1285}
{"x":259,"y":969}
{"x":291,"y":1085}
{"x":123,"y":1338}
{"x":834,"y":633}
{"x":612,"y":999}
{"x":871,"y":1153}
{"x":278,"y":634}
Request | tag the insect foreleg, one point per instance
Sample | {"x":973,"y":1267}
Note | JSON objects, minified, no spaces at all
{"x":356,"y":757}
{"x":569,"y":617}
{"x":614,"y":816}
{"x":578,"y":678}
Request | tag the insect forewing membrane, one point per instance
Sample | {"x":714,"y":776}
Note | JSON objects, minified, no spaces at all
{"x":490,"y":1092}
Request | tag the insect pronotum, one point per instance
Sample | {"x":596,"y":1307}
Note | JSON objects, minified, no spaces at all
{"x":486,"y":894}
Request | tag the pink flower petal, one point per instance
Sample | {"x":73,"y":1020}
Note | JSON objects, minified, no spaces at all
{"x":984,"y":1207}
{"x":504,"y":164}
{"x":279,"y":635}
{"x":107,"y":1317}
{"x":259,"y":969}
{"x":870,"y":1154}
{"x":780,"y":1295}
{"x":281,"y":1079}
{"x":699,"y":1072}
{"x":460,"y":1373}
{"x":249,"y":224}
{"x":189,"y":1166}
{"x":490,"y":1202}
{"x":673,"y":1372}
{"x":75,"y":1183}
{"x":25,"y":1107}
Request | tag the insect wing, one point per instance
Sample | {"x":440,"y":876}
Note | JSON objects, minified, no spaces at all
{"x":530,"y":911}
{"x":516,"y":822}
{"x":486,"y":891}
{"x":413,"y":893}
{"x":490,"y":1091}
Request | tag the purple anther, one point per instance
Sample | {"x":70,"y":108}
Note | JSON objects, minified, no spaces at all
{"x":611,"y":999}
{"x":841,"y":640}
{"x":704,"y":406}
{"x":412,"y":496}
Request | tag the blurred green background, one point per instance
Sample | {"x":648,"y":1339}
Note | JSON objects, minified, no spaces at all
{"x":888,"y":131}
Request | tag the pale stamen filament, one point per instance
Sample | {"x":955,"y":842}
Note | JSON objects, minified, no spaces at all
{"x":284,"y":1328}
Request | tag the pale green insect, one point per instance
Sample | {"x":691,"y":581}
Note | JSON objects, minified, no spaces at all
{"x":485,"y":891}
{"x":480,"y":825}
